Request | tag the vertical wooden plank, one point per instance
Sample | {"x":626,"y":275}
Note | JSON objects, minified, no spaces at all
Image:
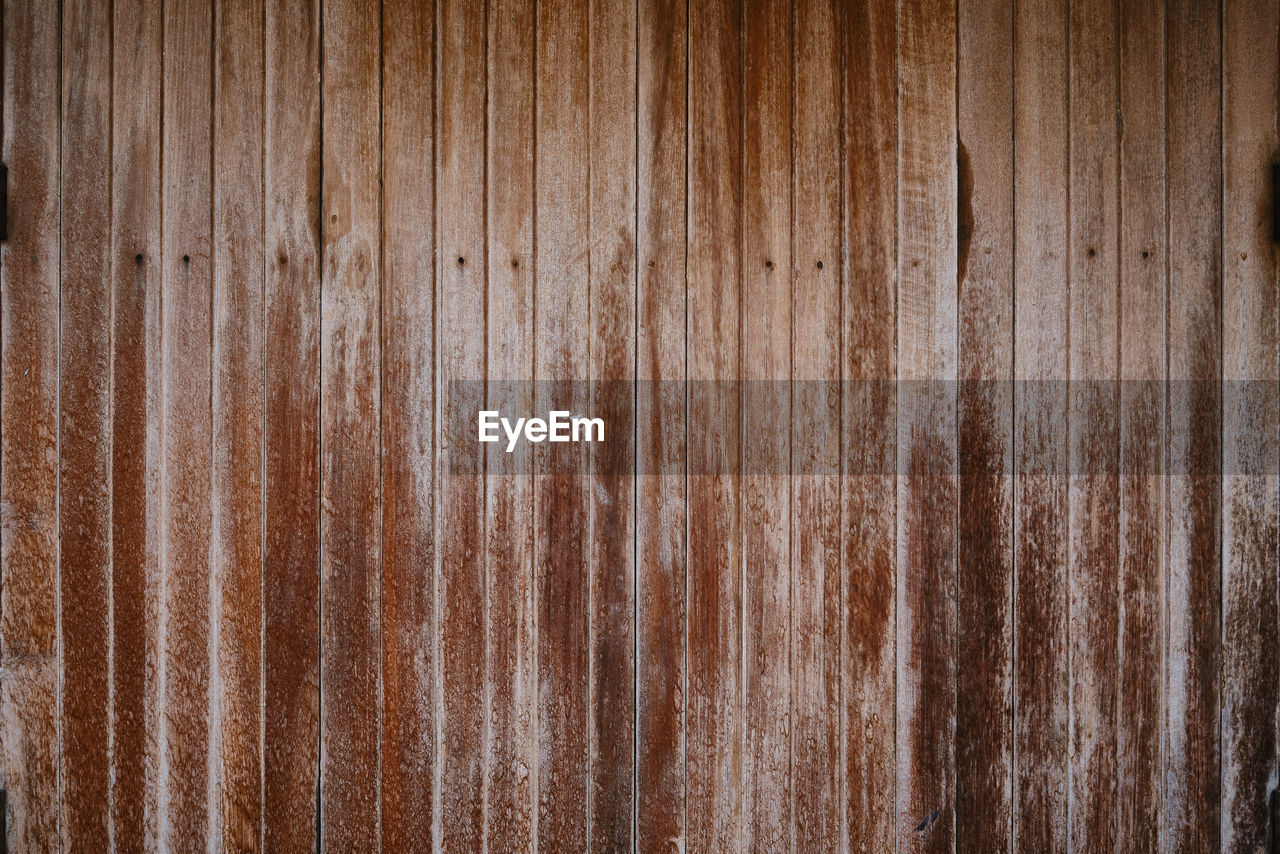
{"x":238,"y":421}
{"x":1093,"y":424}
{"x":869,"y":176}
{"x":766,"y":352}
{"x":512,"y":709}
{"x":408,"y":425}
{"x":1041,"y":327}
{"x":461,"y":352}
{"x":927,"y":365}
{"x":1251,"y":412}
{"x":186,"y":464}
{"x":29,"y":268}
{"x":611,"y":365}
{"x":350,"y":428}
{"x":661,"y":396}
{"x":84,"y":555}
{"x":135,"y":412}
{"x":1194,"y":487}
{"x":984,"y":613}
{"x":562,"y":304}
{"x":815,"y":507}
{"x":1142,"y":389}
{"x":714,"y":795}
{"x":291,"y":556}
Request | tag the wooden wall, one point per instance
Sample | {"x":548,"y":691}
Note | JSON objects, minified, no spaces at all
{"x":258,"y":248}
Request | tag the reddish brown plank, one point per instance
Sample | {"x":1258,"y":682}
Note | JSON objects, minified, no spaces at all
{"x":84,"y":535}
{"x":186,"y":821}
{"x":29,"y":766}
{"x":984,"y":612}
{"x":350,"y":425}
{"x":1041,"y":327}
{"x":815,"y":403}
{"x":1093,"y":486}
{"x":291,"y":555}
{"x":238,"y":422}
{"x":869,"y":176}
{"x":1251,"y":426}
{"x":1194,"y":487}
{"x":461,"y":584}
{"x":611,"y":367}
{"x":927,"y":366}
{"x":1142,"y":370}
{"x":714,"y":793}
{"x":408,"y":425}
{"x":661,"y":366}
{"x":562,"y":303}
{"x":135,"y":421}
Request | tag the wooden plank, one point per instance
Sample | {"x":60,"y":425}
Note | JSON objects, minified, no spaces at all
{"x":350,"y":428}
{"x":461,"y":348}
{"x":612,"y":354}
{"x":29,"y":269}
{"x":714,"y":793}
{"x":238,"y":422}
{"x":1194,"y":488}
{"x":291,"y":549}
{"x":984,"y":605}
{"x":1093,"y":415}
{"x":815,"y":508}
{"x":661,"y":395}
{"x":135,"y":421}
{"x":562,"y":304}
{"x":869,"y":272}
{"x":1142,"y":371}
{"x":1251,"y":425}
{"x":767,"y":290}
{"x":1041,"y":326}
{"x":84,"y":536}
{"x":186,"y":391}
{"x":408,"y":425}
{"x":927,"y":366}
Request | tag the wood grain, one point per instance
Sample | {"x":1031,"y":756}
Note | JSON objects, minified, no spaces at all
{"x":29,"y":416}
{"x":408,"y":230}
{"x":84,"y":445}
{"x":291,"y":515}
{"x":1251,"y":426}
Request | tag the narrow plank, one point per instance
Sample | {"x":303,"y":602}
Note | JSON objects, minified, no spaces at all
{"x":767,"y":289}
{"x":815,"y":505}
{"x":1251,"y":425}
{"x":869,"y":272}
{"x":1093,"y":402}
{"x":562,"y":302}
{"x":29,"y":269}
{"x":611,"y":366}
{"x":714,"y":734}
{"x":1041,"y":327}
{"x":238,"y":422}
{"x":186,"y":232}
{"x":1192,"y":790}
{"x":660,"y":446}
{"x":350,"y":428}
{"x":461,"y":350}
{"x":984,"y":605}
{"x":84,"y":523}
{"x":927,"y":366}
{"x":1142,"y":389}
{"x":291,"y":549}
{"x":408,"y":425}
{"x":512,"y":703}
{"x":135,"y":421}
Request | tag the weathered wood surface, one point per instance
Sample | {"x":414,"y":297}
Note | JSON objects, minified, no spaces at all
{"x":937,"y":345}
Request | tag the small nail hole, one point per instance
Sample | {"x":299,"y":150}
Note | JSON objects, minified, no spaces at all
{"x":1146,"y":254}
{"x":461,"y":260}
{"x":652,"y":263}
{"x":819,"y":265}
{"x":138,"y":259}
{"x":1092,"y":252}
{"x":769,"y":264}
{"x":515,"y":262}
{"x":186,"y":259}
